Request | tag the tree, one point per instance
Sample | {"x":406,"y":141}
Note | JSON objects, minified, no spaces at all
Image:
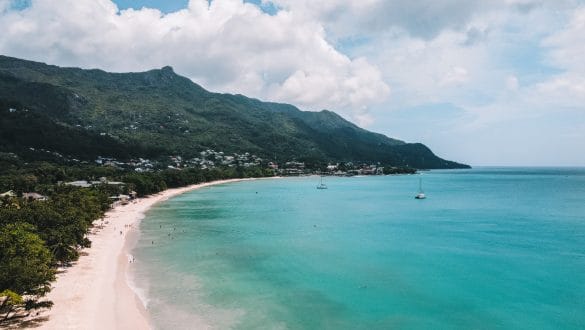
{"x":9,"y":303}
{"x":25,"y":265}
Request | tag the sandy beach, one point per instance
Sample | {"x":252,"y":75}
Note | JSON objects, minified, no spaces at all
{"x":94,"y":293}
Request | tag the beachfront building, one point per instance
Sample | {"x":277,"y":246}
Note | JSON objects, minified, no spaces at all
{"x":9,"y":193}
{"x":79,"y":183}
{"x":120,"y":199}
{"x":33,"y":196}
{"x":88,"y":184}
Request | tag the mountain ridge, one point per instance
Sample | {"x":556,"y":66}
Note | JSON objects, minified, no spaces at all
{"x":161,"y":112}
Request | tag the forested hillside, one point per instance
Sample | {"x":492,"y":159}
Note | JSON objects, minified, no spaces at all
{"x":88,"y":113}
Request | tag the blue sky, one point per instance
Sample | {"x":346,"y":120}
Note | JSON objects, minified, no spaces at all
{"x":174,"y":5}
{"x":166,"y":6}
{"x":498,"y":82}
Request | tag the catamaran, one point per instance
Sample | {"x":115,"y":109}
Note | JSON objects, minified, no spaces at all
{"x":421,"y":193}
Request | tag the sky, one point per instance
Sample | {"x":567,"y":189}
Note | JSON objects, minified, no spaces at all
{"x":499,"y":82}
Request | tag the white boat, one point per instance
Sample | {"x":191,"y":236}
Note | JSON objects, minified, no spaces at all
{"x":321,"y":185}
{"x":421,"y":193}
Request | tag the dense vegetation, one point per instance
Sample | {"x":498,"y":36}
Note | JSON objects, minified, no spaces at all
{"x":84,"y":113}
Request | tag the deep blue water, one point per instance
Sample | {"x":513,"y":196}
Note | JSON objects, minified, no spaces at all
{"x":490,"y":248}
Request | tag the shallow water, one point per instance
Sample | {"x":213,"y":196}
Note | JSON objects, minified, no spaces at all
{"x":490,"y":248}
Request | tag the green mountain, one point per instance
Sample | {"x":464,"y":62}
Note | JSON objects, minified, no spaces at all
{"x":86,"y":113}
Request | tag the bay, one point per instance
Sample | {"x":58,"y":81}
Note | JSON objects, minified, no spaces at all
{"x":490,"y":248}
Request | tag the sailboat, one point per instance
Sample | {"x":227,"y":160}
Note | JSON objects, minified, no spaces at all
{"x":421,"y":193}
{"x":321,"y":185}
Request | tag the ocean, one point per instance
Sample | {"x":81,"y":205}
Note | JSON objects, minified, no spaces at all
{"x":490,"y":248}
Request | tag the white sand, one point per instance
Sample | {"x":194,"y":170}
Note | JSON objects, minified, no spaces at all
{"x":94,"y":293}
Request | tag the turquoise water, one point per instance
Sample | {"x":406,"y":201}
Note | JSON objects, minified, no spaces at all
{"x":490,"y":248}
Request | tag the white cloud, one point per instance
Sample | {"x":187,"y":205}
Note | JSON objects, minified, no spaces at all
{"x":567,"y":46}
{"x":349,"y":84}
{"x":431,"y":71}
{"x":565,"y":89}
{"x":456,"y":51}
{"x":567,"y":53}
{"x":421,"y":18}
{"x":455,"y":76}
{"x":4,"y":4}
{"x":227,"y":45}
{"x":512,"y":83}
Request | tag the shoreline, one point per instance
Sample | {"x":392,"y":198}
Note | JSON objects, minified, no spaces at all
{"x":95,"y":293}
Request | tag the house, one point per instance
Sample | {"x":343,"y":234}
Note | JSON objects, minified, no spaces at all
{"x":123,"y":199}
{"x":9,"y":193}
{"x":80,"y":183}
{"x":296,"y":165}
{"x":114,"y":183}
{"x":33,"y":196}
{"x":292,"y":171}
